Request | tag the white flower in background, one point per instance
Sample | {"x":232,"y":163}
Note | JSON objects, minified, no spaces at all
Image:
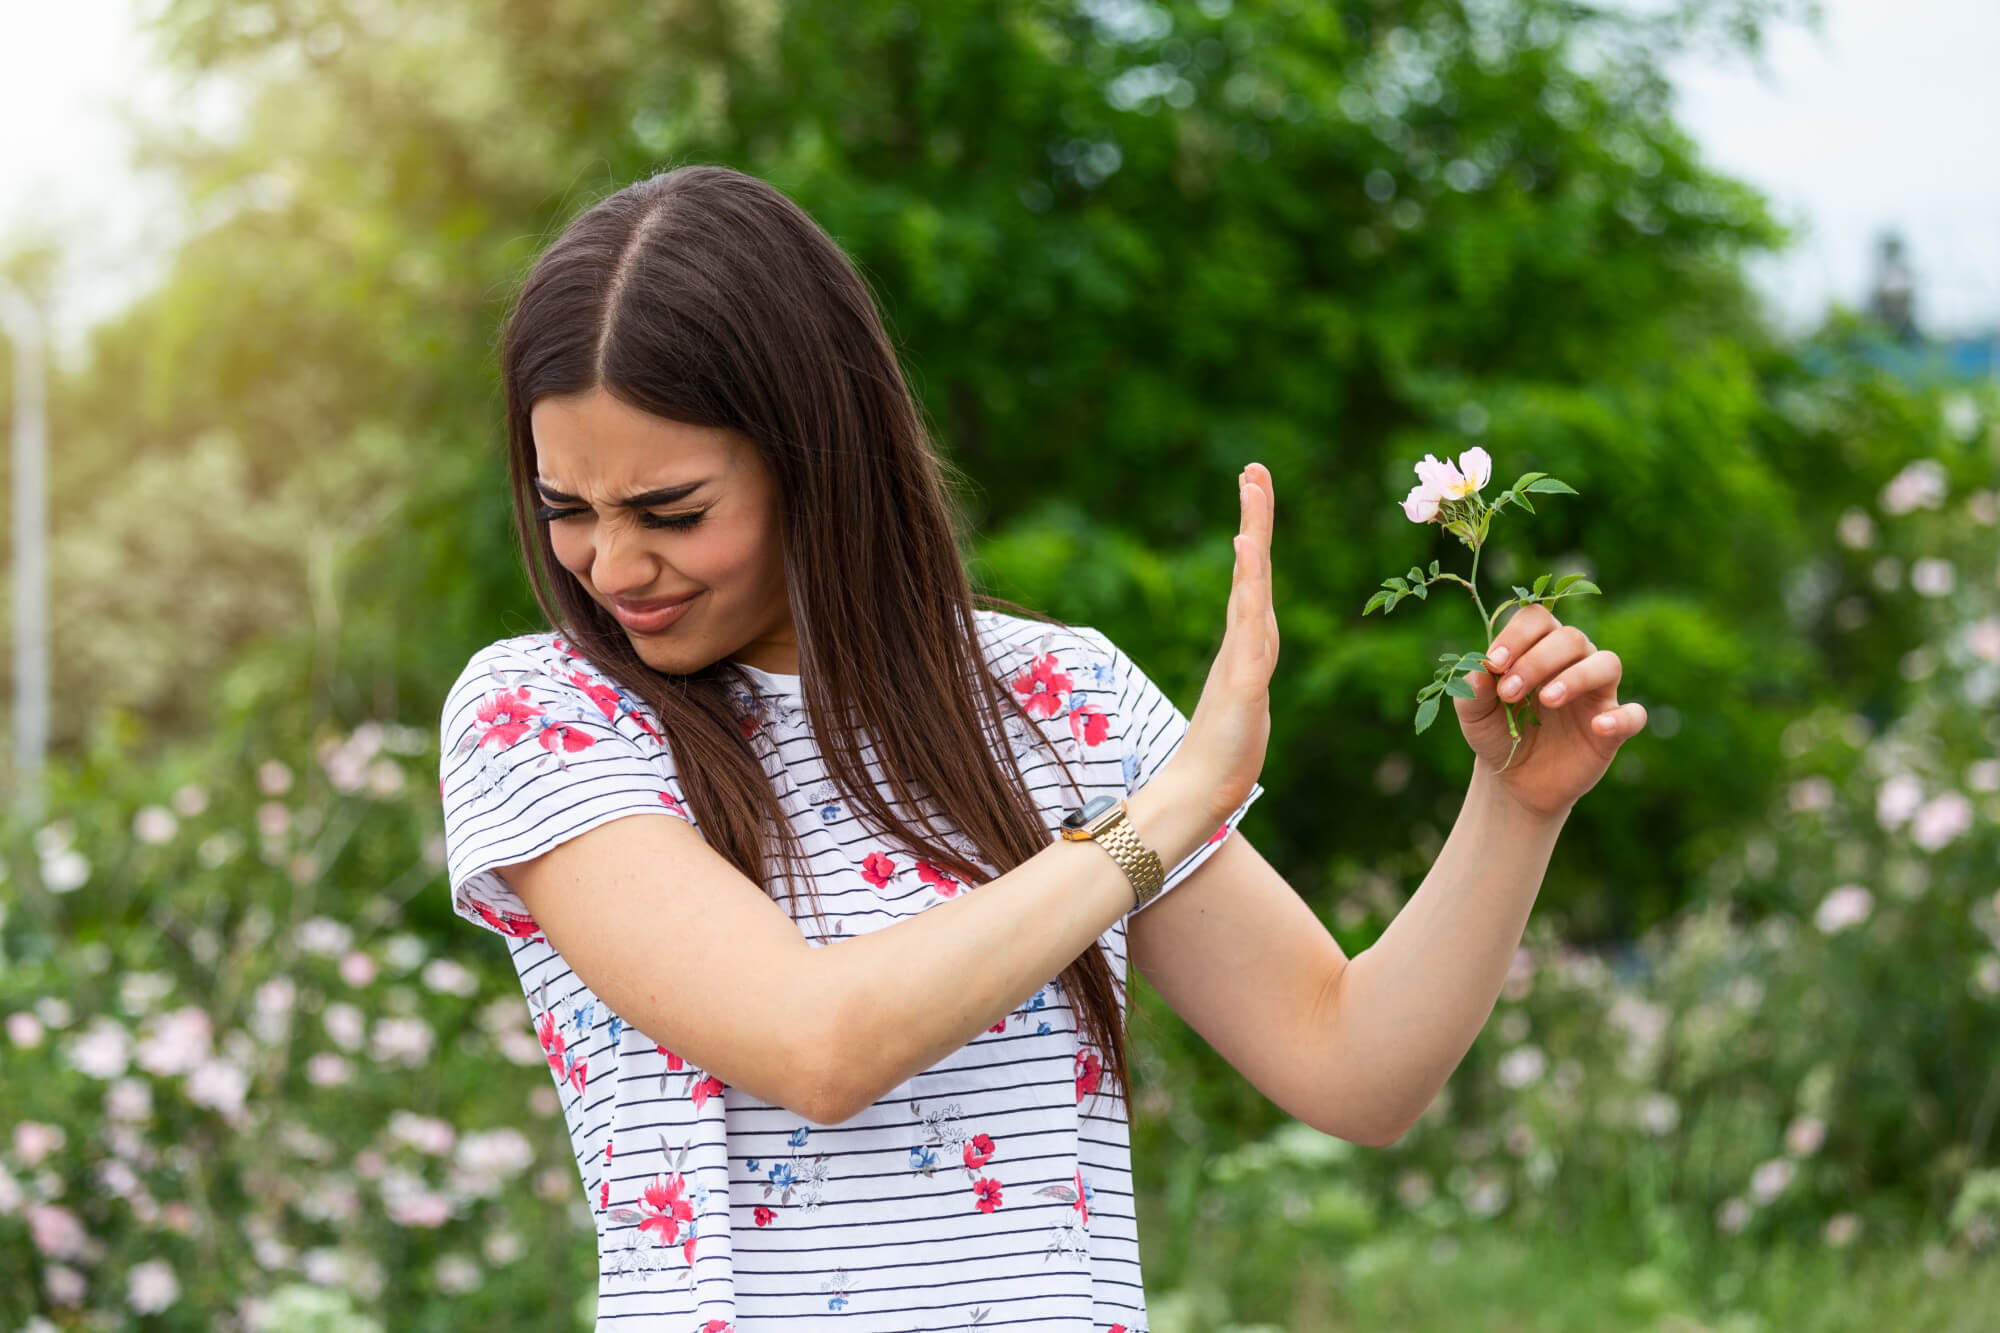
{"x":1932,"y":577}
{"x":456,"y":1274}
{"x":129,"y":1101}
{"x":276,"y":996}
{"x":1921,"y":485}
{"x":1804,"y":1135}
{"x":357,"y":969}
{"x":1768,"y":1181}
{"x":1982,"y":639}
{"x":54,"y":838}
{"x":65,"y":872}
{"x":347,"y":1025}
{"x":542,"y":1100}
{"x":323,"y":1267}
{"x":1983,"y":775}
{"x":1521,"y":1066}
{"x":385,"y":778}
{"x":34,"y":1141}
{"x":1897,"y":800}
{"x":404,"y":952}
{"x":138,"y":992}
{"x":426,"y":1134}
{"x":1857,"y":530}
{"x":274,"y":819}
{"x":1487,"y":1196}
{"x":65,"y":1286}
{"x":24,"y":1029}
{"x":331,"y":1199}
{"x":324,"y":936}
{"x":404,"y":1041}
{"x":1656,"y":1113}
{"x":502,"y":1248}
{"x":519,"y":1046}
{"x":153,"y":1287}
{"x":449,"y":977}
{"x":103,"y":1050}
{"x":220,"y":1086}
{"x":1813,"y":793}
{"x":1941,"y":819}
{"x":190,"y":800}
{"x":327,"y":1070}
{"x":176,"y":1042}
{"x":273,"y":778}
{"x":1841,"y":1229}
{"x":12,"y":1196}
{"x":1987,"y":975}
{"x":411,"y":1203}
{"x":53,"y":1011}
{"x":154,"y":825}
{"x":495,"y":1152}
{"x":1845,"y":906}
{"x":56,"y":1231}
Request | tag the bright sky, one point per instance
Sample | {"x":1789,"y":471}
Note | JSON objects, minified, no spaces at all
{"x":1888,"y":117}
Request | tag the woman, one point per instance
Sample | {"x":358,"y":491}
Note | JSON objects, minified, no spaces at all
{"x":766,"y":644}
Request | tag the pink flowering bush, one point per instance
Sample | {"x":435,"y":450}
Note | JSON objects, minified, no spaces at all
{"x":256,"y":1075}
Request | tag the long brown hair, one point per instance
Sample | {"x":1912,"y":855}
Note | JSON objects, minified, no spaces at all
{"x":704,"y":295}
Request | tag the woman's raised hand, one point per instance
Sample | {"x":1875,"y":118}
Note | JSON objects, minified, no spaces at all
{"x":1231,"y":726}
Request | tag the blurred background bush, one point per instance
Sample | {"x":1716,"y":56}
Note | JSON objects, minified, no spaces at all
{"x":1743,"y":1075}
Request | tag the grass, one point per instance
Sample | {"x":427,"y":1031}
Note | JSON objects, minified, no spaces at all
{"x":1496,"y":1280}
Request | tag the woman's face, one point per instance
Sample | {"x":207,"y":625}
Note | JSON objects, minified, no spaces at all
{"x":672,"y":528}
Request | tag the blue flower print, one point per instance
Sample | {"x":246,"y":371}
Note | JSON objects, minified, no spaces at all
{"x":922,"y":1158}
{"x":584,"y":1016}
{"x":829,"y":813}
{"x":781,"y":1175}
{"x":751,"y":1166}
{"x":1102,"y":675}
{"x":798,"y":1138}
{"x":1043,"y":1029}
{"x":617,"y":1026}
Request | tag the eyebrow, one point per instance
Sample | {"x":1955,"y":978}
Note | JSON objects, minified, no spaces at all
{"x":664,"y":495}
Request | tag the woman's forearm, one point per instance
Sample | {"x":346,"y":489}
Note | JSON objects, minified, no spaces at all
{"x":914,"y":992}
{"x":1410,"y":1005}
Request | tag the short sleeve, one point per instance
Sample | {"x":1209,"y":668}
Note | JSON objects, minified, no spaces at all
{"x":1150,"y":729}
{"x":535,"y":748}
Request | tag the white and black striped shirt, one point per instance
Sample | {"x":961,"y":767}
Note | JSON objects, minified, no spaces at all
{"x":991,"y":1190}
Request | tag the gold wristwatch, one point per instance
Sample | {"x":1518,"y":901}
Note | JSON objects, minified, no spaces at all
{"x":1103,"y":822}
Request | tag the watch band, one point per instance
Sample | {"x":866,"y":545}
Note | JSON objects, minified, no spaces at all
{"x":1140,"y":863}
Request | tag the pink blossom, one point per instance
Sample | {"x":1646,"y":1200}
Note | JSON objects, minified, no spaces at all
{"x":1897,"y":800}
{"x":404,"y":1041}
{"x":345,"y":1024}
{"x":220,"y":1086}
{"x":426,"y":1134}
{"x":327,"y":1070}
{"x":1940,"y":820}
{"x":1804,"y":1135}
{"x":24,"y":1030}
{"x":357,"y":968}
{"x":103,"y":1050}
{"x":1841,"y":1229}
{"x":1521,"y":1066}
{"x":1732,"y":1216}
{"x":1421,"y":504}
{"x":1982,"y":637}
{"x":1770,"y":1178}
{"x":1845,"y":906}
{"x":34,"y":1141}
{"x":56,"y":1231}
{"x":65,"y":1286}
{"x":153,"y":1287}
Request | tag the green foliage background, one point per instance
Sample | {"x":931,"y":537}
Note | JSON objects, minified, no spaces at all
{"x":1124,"y":248}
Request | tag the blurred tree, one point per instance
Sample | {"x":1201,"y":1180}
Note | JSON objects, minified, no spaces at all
{"x":1126,"y":247}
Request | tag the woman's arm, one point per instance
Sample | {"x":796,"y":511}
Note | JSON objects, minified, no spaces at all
{"x":1356,"y":1048}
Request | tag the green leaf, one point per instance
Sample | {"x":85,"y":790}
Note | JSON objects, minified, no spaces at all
{"x":1374,"y":602}
{"x":1526,"y":480}
{"x":1523,"y":593}
{"x":1415,"y":575}
{"x":1427,"y":712}
{"x":1434,"y":569}
{"x":1565,"y":581}
{"x":1552,"y":486}
{"x":1584,"y":586}
{"x":1422,"y":591}
{"x":1541,"y":584}
{"x":1522,"y":501}
{"x":1398,"y":585}
{"x":1460,"y":688}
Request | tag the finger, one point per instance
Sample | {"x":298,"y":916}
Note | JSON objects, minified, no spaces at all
{"x":1600,"y":671}
{"x":1530,"y":670}
{"x":1620,"y":723}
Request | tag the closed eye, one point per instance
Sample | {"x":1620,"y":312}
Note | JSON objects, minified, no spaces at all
{"x":675,"y":522}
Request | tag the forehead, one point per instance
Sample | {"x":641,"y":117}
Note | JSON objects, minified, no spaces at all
{"x":596,"y":441}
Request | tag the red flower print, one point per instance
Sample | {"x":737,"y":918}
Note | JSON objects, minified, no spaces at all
{"x":1001,"y":1026}
{"x":1088,"y":1069}
{"x":507,"y":923}
{"x":877,"y":869}
{"x":1218,"y":835}
{"x":705,"y":1089}
{"x":673,"y":804}
{"x":748,"y":724}
{"x":603,"y":1195}
{"x":1118,"y":1328}
{"x":688,"y":1249}
{"x":577,"y":1076}
{"x":673,"y":1061}
{"x":979,"y":1151}
{"x":1081,"y":1205}
{"x":1088,"y":724}
{"x":1041,"y":685}
{"x":552,"y":1042}
{"x":945,"y":885}
{"x":764,"y":1216}
{"x":665,"y":1208}
{"x":604,"y":696}
{"x":986,"y":1193}
{"x":646,"y":725}
{"x":607,"y":1152}
{"x":564,"y":735}
{"x":564,"y":647}
{"x":718,"y":1326}
{"x":506,"y":716}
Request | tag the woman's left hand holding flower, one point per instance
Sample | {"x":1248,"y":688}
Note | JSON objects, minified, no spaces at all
{"x":1574,"y":690}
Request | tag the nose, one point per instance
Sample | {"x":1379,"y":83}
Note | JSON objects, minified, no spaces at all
{"x":620,"y":567}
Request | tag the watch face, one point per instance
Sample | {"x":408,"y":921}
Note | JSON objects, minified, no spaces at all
{"x":1076,"y":819}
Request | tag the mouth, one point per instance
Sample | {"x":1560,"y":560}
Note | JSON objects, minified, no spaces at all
{"x":651,"y":617}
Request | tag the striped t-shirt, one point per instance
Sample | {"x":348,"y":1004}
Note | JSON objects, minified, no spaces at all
{"x":991,"y":1190}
